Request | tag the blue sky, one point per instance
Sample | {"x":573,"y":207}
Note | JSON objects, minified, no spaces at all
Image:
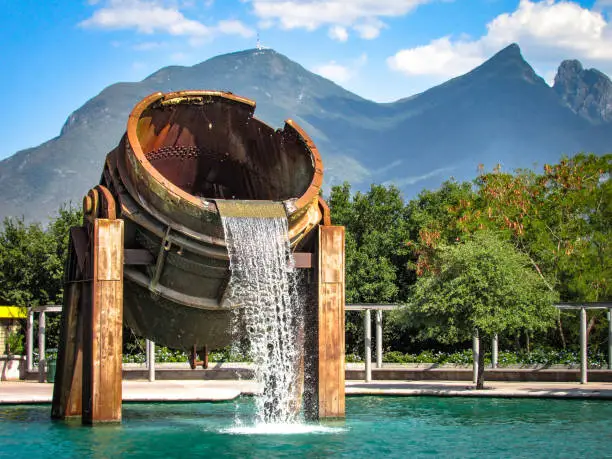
{"x":57,"y":54}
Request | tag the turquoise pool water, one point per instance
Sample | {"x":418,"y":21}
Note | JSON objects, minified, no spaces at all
{"x":375,"y":427}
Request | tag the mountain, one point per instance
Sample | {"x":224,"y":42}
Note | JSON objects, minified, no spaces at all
{"x":587,"y":92}
{"x":500,"y":112}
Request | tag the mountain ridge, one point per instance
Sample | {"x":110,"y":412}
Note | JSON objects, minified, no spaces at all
{"x":501,"y":111}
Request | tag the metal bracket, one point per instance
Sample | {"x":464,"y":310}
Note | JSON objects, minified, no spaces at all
{"x":164,"y":247}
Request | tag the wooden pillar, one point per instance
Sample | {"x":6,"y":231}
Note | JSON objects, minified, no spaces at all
{"x":329,"y":385}
{"x":103,"y":319}
{"x":68,"y":388}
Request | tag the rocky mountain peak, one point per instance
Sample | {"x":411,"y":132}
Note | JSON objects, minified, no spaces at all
{"x":588,"y":92}
{"x":508,"y":63}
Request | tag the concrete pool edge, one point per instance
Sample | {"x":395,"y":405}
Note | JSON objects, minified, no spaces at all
{"x":493,"y":389}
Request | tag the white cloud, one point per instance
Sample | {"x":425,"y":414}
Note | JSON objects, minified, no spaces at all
{"x":547,"y":31}
{"x":441,"y":57}
{"x":153,"y":16}
{"x":361,"y":15}
{"x":334,"y":71}
{"x":339,"y":73}
{"x":146,"y":17}
{"x":369,"y":31}
{"x":234,"y":27}
{"x":338,"y":33}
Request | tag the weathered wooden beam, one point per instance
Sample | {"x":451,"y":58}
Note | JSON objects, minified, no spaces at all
{"x":67,"y":390}
{"x":68,"y":387}
{"x":331,"y":275}
{"x":103,"y":326}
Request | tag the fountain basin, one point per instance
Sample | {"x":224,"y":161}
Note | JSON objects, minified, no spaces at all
{"x":394,"y":427}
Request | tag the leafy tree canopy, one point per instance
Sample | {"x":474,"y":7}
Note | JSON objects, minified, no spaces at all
{"x":32,"y":259}
{"x":482,"y":285}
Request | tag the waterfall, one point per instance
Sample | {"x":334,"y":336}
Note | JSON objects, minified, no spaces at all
{"x":268,"y":311}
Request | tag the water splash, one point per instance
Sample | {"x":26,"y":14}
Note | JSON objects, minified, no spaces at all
{"x":283,"y":429}
{"x":264,"y":286}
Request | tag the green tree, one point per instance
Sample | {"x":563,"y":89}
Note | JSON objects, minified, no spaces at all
{"x":32,"y":262}
{"x":483,"y":286}
{"x":562,"y":219}
{"x":376,"y":250}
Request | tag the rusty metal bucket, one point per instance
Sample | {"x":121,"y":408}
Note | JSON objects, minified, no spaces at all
{"x":181,"y":152}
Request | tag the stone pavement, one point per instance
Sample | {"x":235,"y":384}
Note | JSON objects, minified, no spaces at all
{"x":193,"y":390}
{"x":593,"y":390}
{"x":12,"y":392}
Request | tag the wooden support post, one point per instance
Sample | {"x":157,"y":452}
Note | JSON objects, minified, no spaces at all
{"x":329,"y":349}
{"x":68,"y":387}
{"x":102,"y":331}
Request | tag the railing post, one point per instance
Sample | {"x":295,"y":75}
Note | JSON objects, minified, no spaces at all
{"x":379,"y":338}
{"x":494,"y":351}
{"x":367,"y":329}
{"x":583,"y":346}
{"x":151,"y":359}
{"x":30,"y":341}
{"x":42,"y":320}
{"x":475,"y":353}
{"x":610,"y":339}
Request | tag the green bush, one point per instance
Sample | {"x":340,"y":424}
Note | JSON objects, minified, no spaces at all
{"x":540,"y":356}
{"x":14,"y":343}
{"x":228,"y":354}
{"x":392,"y":357}
{"x":354,"y":358}
{"x":162,"y":355}
{"x":459,"y":358}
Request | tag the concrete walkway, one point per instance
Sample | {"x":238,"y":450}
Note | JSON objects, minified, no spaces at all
{"x":210,"y":391}
{"x":14,"y":392}
{"x":492,"y":389}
